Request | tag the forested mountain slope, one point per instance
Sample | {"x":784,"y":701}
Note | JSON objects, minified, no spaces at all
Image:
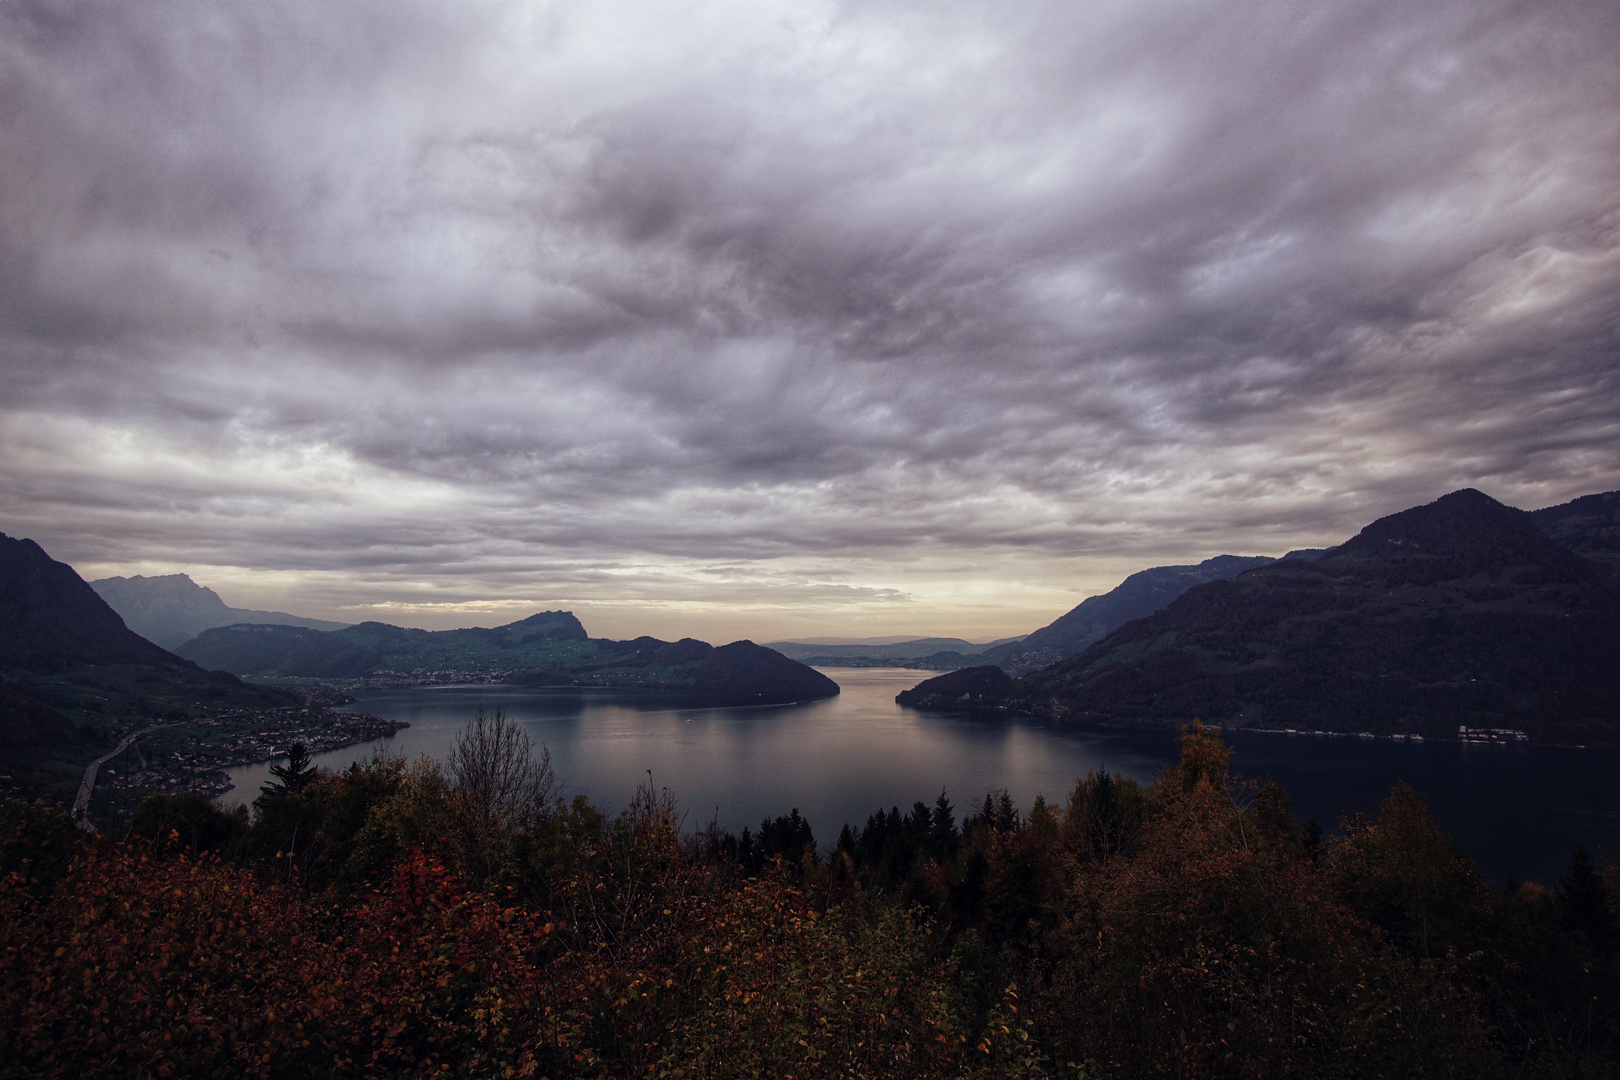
{"x":1095,"y":617}
{"x":1461,"y":612}
{"x":547,"y":648}
{"x":50,"y":617}
{"x":1589,"y":525}
{"x":74,"y":678}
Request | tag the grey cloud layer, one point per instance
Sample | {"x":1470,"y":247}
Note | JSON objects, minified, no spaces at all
{"x":433,"y":286}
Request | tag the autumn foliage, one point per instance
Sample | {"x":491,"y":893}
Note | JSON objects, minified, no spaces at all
{"x":390,"y":921}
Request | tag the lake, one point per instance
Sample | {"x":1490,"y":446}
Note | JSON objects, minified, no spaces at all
{"x":1521,"y":809}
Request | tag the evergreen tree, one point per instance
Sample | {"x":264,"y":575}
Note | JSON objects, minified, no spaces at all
{"x":788,"y":835}
{"x":292,"y":777}
{"x":1006,"y":812}
{"x":942,"y":829}
{"x":1583,"y":898}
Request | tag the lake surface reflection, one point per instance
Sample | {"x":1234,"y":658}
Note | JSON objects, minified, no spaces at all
{"x":836,"y":760}
{"x":1521,"y":809}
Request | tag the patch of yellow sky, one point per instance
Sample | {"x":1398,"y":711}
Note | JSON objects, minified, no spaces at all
{"x":980,"y":595}
{"x":979,"y":602}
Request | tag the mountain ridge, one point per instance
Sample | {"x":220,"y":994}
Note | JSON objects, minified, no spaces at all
{"x":1589,"y":526}
{"x":1459,"y":612}
{"x":171,"y":609}
{"x":1142,"y":593}
{"x":73,"y":676}
{"x":908,"y":652}
{"x":547,"y":648}
{"x":50,"y":616}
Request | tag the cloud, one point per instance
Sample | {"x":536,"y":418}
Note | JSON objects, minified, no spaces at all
{"x":983,"y":306}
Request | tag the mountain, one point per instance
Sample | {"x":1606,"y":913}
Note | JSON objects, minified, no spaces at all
{"x":906,"y":647}
{"x":986,"y":684}
{"x":927,"y":653}
{"x":1589,"y":525}
{"x":891,"y":639}
{"x":50,"y":617}
{"x":371,"y":647}
{"x":1461,"y":612}
{"x":173,"y":609}
{"x":549,"y":648}
{"x":748,"y":672}
{"x":1141,"y":594}
{"x":73,"y":677}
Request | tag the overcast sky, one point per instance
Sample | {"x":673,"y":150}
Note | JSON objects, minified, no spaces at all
{"x":774,"y":319}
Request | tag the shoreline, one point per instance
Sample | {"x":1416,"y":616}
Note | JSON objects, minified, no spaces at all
{"x":192,"y":757}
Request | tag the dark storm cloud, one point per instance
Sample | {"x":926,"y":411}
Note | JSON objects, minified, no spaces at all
{"x":856,"y":297}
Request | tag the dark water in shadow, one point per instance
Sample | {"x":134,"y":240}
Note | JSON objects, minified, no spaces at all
{"x":1521,"y":809}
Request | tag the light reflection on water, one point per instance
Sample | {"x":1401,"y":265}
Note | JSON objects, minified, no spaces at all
{"x":1521,"y":809}
{"x":836,"y":760}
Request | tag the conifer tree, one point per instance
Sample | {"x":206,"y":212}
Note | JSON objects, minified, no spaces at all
{"x":292,"y":777}
{"x":1583,"y":897}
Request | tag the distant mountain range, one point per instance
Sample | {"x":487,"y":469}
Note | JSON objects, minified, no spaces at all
{"x":550,"y":648}
{"x":172,"y":609}
{"x":74,"y":678}
{"x":1464,"y":612}
{"x":1140,"y":594}
{"x":1095,"y":617}
{"x":883,"y":651}
{"x":1589,"y":525}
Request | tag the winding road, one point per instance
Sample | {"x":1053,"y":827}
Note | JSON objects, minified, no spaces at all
{"x":81,"y":801}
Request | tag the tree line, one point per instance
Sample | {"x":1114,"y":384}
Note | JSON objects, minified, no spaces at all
{"x":460,"y":919}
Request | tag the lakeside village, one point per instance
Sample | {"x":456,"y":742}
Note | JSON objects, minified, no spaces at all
{"x":1464,"y":734}
{"x":191,"y":756}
